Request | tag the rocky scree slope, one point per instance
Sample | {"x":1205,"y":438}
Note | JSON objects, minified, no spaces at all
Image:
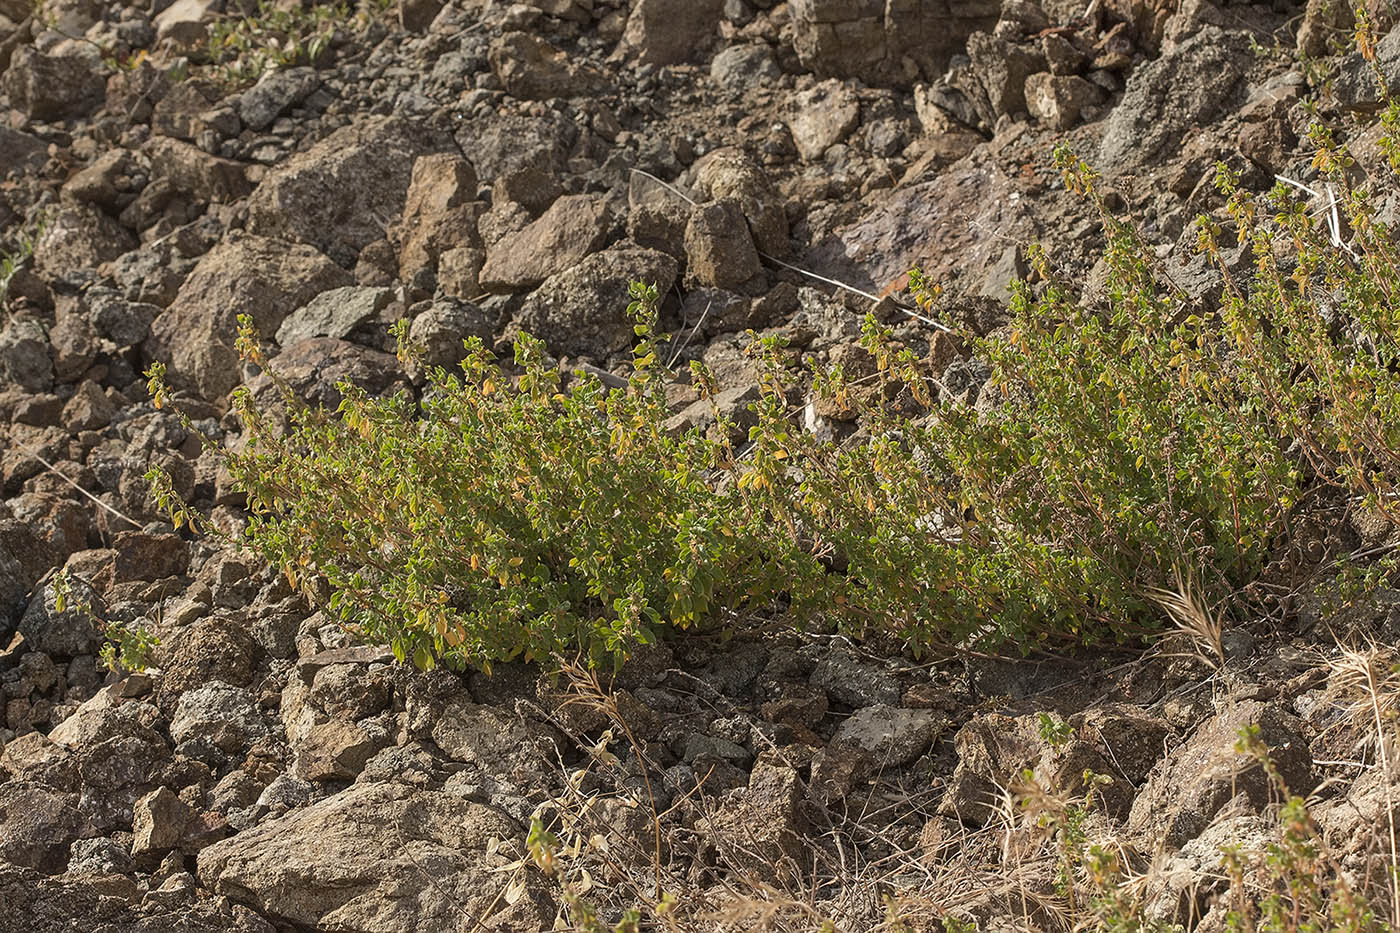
{"x":478,"y":169}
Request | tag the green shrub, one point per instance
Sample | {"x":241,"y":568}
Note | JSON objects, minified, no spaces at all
{"x":1146,"y":441}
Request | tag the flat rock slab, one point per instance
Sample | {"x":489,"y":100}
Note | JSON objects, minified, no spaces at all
{"x":375,"y":858}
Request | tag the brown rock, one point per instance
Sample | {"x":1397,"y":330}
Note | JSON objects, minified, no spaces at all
{"x":575,"y":226}
{"x":668,"y":32}
{"x":719,"y":250}
{"x":158,"y":822}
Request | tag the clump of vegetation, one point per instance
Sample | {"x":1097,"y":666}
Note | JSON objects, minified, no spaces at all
{"x":241,"y":48}
{"x":126,"y":647}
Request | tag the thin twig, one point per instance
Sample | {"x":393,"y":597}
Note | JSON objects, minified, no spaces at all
{"x":55,"y":470}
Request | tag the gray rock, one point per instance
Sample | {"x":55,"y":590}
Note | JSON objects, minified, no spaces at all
{"x":1058,"y":100}
{"x":37,"y":825}
{"x":890,"y":735}
{"x":334,"y":313}
{"x":353,"y":861}
{"x":873,"y":40}
{"x":498,"y":144}
{"x":441,"y":329}
{"x":276,"y":92}
{"x":65,"y":634}
{"x":125,"y":323}
{"x":192,"y":171}
{"x":53,"y":87}
{"x":219,"y":714}
{"x":732,"y":173}
{"x":315,"y":369}
{"x":76,"y":240}
{"x":853,"y":682}
{"x":1187,"y":87}
{"x":1002,"y":68}
{"x":24,"y":355}
{"x":740,"y":67}
{"x":582,"y":310}
{"x":496,"y":742}
{"x":20,"y":152}
{"x":1189,"y":787}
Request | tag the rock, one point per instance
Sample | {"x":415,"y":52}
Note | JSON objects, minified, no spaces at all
{"x":109,"y":181}
{"x":1185,"y":88}
{"x":76,"y":240}
{"x":350,"y":691}
{"x":885,"y":43}
{"x":720,"y":252}
{"x":668,"y":32}
{"x":20,"y":152}
{"x":732,"y":173}
{"x":823,"y":116}
{"x":37,"y":825}
{"x":265,"y":279}
{"x":857,"y":685}
{"x":440,"y":213}
{"x":1322,"y":19}
{"x":334,"y":751}
{"x":315,"y":368}
{"x":24,"y":355}
{"x":740,"y":67}
{"x":531,"y":187}
{"x":217,"y":715}
{"x":190,"y":170}
{"x":337,"y":195}
{"x":49,"y":88}
{"x":889,"y":735}
{"x":89,"y":409}
{"x":1002,"y":68}
{"x":1191,"y":785}
{"x":763,"y":823}
{"x":441,"y":329}
{"x":575,"y":226}
{"x":1356,"y":84}
{"x":459,"y":272}
{"x":531,"y":69}
{"x":158,"y":822}
{"x":352,"y":862}
{"x":1058,"y":100}
{"x":581,"y":310}
{"x":496,"y":742}
{"x":65,"y":634}
{"x":186,"y":22}
{"x":14,"y":594}
{"x":418,"y":15}
{"x":334,"y":313}
{"x":277,"y":91}
{"x":498,"y":144}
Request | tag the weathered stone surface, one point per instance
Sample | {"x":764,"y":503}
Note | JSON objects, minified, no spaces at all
{"x":315,"y":368}
{"x":531,"y":69}
{"x":575,"y":226}
{"x":158,"y":822}
{"x":37,"y":824}
{"x":582,"y":310}
{"x":668,"y":32}
{"x":719,"y":249}
{"x":334,"y":313}
{"x":1165,"y":98}
{"x":1002,"y":68}
{"x":885,"y":43}
{"x":277,"y":91}
{"x":353,"y":862}
{"x":441,"y":329}
{"x":440,"y":214}
{"x":24,"y":355}
{"x":20,"y":152}
{"x":76,"y":240}
{"x":890,"y":735}
{"x":1187,"y":789}
{"x":823,"y":116}
{"x":1058,"y":100}
{"x":732,"y":173}
{"x":265,"y":279}
{"x":192,"y":171}
{"x":53,"y":87}
{"x":338,"y":194}
{"x":64,"y":634}
{"x":854,"y":683}
{"x":334,"y":751}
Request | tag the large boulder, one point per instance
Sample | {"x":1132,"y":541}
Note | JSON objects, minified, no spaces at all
{"x":355,"y":861}
{"x":265,"y":279}
{"x":668,"y":32}
{"x":1187,"y":87}
{"x":339,"y":194}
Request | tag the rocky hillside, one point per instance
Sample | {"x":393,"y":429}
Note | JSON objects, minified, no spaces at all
{"x":482,"y":168}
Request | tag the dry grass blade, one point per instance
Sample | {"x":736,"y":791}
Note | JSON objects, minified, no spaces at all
{"x":1189,"y":613}
{"x":1372,"y":672}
